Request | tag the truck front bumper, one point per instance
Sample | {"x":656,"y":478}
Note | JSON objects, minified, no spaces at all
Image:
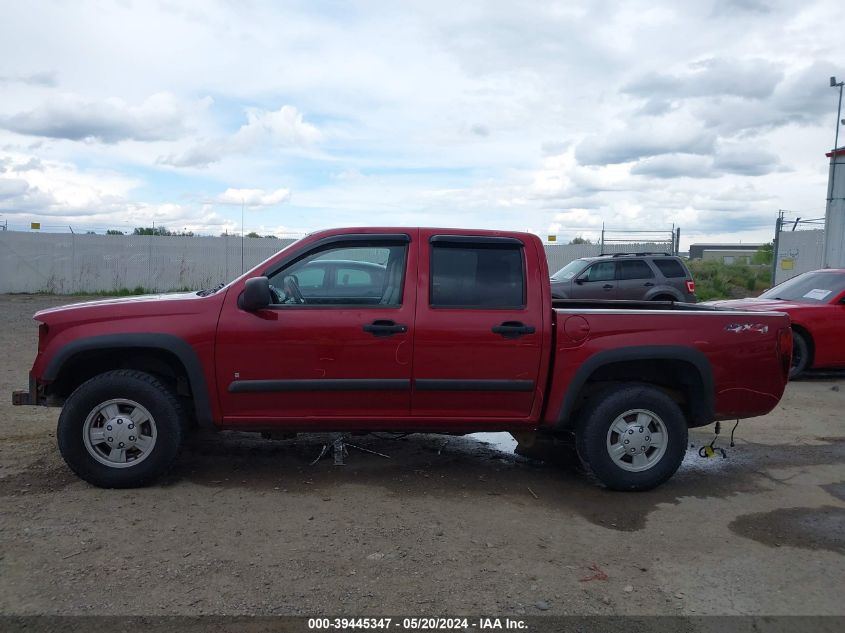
{"x":30,"y":397}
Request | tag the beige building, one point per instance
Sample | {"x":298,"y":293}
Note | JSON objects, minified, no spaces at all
{"x":725,"y":253}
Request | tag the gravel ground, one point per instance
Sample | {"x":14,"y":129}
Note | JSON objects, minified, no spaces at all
{"x":248,"y":526}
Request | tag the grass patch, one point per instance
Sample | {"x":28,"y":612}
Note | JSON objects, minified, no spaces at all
{"x":715,"y":280}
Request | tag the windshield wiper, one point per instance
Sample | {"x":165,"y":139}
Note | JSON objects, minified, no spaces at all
{"x":209,"y":291}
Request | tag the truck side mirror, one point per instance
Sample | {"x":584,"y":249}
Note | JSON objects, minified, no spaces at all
{"x":256,"y":294}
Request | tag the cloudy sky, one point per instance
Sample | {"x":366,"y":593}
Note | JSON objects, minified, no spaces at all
{"x":545,"y":116}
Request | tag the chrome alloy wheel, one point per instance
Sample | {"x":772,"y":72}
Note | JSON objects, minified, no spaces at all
{"x":119,"y":433}
{"x":637,"y":440}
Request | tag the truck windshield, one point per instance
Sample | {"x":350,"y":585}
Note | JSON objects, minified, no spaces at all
{"x":814,"y":287}
{"x":569,"y":271}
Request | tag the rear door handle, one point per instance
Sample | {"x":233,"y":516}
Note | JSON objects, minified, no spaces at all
{"x":648,"y":284}
{"x":607,"y":286}
{"x":513,"y":329}
{"x":384,"y":327}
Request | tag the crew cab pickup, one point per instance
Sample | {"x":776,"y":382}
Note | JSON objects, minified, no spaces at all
{"x":462,"y":336}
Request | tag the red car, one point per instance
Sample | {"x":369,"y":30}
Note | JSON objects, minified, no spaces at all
{"x":815,"y":301}
{"x":463,"y":336}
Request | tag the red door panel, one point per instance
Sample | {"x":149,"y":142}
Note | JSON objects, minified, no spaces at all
{"x":462,"y":367}
{"x":290,"y":363}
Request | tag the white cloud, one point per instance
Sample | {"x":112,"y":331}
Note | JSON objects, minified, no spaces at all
{"x":254,"y":197}
{"x":282,"y":128}
{"x":747,"y":78}
{"x":71,"y":117}
{"x":61,"y":195}
{"x":649,"y":138}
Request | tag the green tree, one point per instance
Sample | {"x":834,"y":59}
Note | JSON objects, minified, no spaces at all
{"x":580,"y":240}
{"x":764,"y":255}
{"x":151,"y":230}
{"x":252,"y":234}
{"x":114,"y":232}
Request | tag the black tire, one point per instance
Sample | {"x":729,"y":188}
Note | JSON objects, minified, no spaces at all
{"x":144,"y":389}
{"x":593,"y":436}
{"x":664,"y":298}
{"x":800,"y":354}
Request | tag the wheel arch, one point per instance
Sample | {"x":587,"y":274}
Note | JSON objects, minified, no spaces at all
{"x":811,"y":344}
{"x":160,"y":354}
{"x":657,"y":294}
{"x":684,"y":373}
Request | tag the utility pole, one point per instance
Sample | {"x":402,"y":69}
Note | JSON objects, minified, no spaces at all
{"x":776,"y":244}
{"x":834,"y":239}
{"x":835,"y":84}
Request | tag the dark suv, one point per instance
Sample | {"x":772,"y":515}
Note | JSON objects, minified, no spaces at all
{"x":632,"y":276}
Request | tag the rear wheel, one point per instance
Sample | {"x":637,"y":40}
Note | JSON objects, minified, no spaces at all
{"x":663,"y":298}
{"x":632,"y":437}
{"x":121,"y":429}
{"x":800,"y":354}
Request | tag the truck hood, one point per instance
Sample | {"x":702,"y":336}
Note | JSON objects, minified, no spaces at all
{"x":760,"y":305}
{"x":121,"y":307}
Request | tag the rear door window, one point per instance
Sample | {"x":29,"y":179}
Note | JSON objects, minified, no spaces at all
{"x":633,"y":269}
{"x":477,"y":276}
{"x":671,"y":268}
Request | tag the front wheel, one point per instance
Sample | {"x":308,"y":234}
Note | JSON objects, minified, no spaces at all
{"x":800,"y":355}
{"x":120,"y":429}
{"x":632,"y":437}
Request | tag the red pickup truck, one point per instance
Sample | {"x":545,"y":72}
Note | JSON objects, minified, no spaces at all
{"x":397,"y":329}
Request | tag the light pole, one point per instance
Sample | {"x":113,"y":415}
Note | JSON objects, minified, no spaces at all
{"x":834,"y":217}
{"x":834,"y":84}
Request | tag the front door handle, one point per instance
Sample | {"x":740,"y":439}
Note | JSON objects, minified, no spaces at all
{"x":648,"y":284}
{"x":384,"y":327}
{"x":607,"y":286}
{"x":513,"y":329}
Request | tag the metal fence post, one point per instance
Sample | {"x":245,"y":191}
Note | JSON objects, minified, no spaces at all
{"x":778,"y":224}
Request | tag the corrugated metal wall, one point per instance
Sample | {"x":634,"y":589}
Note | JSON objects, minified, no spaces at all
{"x":799,"y":252}
{"x":64,"y":263}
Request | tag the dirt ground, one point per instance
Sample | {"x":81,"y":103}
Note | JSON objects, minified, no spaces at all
{"x":248,"y":526}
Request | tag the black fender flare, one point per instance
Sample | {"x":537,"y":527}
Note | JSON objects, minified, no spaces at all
{"x":143,"y":340}
{"x":669,"y":292}
{"x":703,"y":406}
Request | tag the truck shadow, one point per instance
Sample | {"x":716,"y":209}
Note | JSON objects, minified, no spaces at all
{"x":443,"y":467}
{"x":461,"y":467}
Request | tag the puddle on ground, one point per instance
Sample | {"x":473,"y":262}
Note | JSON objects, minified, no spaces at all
{"x":808,"y":528}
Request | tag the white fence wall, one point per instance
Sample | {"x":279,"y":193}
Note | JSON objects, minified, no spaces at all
{"x":64,"y":263}
{"x":799,"y":252}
